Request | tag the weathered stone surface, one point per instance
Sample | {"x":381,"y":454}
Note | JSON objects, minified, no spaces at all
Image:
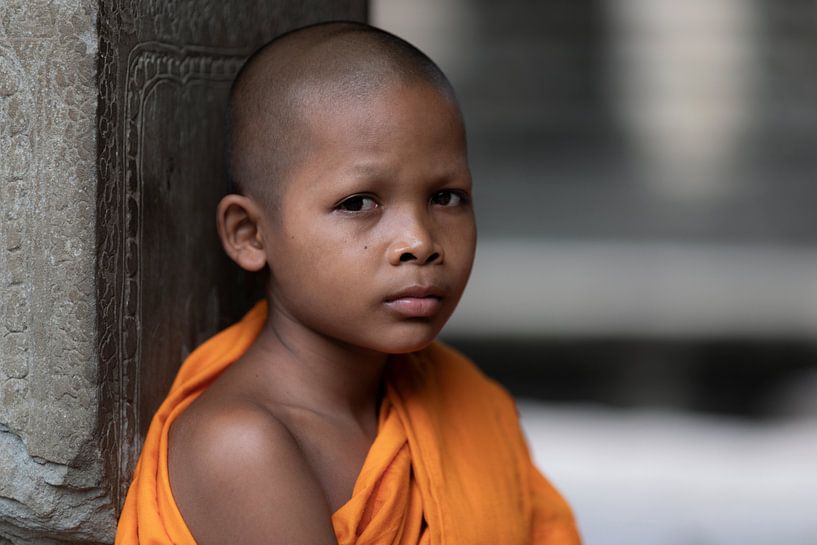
{"x":50,"y":466}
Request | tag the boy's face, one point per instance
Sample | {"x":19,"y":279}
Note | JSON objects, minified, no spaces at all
{"x":374,"y":239}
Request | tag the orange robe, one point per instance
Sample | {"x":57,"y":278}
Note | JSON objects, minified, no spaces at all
{"x":449,"y":465}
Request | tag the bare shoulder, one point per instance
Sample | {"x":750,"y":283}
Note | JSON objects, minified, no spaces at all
{"x":238,"y":476}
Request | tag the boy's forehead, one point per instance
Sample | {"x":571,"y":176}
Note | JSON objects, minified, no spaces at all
{"x":402,"y":129}
{"x":297,"y":88}
{"x":396,"y":106}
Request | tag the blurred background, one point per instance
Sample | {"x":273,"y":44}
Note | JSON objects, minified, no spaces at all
{"x":646,"y":275}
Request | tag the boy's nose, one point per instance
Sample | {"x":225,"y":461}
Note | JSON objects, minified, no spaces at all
{"x":416,"y":245}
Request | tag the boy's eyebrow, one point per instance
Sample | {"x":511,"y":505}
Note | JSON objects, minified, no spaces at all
{"x":351,"y":177}
{"x":373,"y":170}
{"x":369,"y":169}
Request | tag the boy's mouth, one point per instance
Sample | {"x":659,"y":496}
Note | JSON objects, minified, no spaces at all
{"x":417,"y":292}
{"x":416,"y":301}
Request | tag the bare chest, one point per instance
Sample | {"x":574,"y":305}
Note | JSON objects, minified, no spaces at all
{"x":336,"y":456}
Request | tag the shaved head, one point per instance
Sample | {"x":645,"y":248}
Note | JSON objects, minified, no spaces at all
{"x":305,"y":72}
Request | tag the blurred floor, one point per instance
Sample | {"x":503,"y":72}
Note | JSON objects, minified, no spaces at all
{"x":648,"y":477}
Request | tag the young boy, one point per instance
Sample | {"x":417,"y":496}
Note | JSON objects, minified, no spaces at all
{"x":329,"y":414}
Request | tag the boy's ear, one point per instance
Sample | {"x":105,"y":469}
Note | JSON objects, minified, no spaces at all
{"x":239,"y":226}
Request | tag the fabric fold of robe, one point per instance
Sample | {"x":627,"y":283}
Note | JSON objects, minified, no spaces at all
{"x":449,"y":465}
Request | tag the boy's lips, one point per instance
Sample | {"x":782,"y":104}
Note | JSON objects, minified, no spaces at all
{"x":416,"y":301}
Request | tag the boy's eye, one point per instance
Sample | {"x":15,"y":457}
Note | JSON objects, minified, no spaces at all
{"x":358,"y":203}
{"x":449,"y":198}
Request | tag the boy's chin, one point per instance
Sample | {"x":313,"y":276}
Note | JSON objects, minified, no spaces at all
{"x":412,"y":340}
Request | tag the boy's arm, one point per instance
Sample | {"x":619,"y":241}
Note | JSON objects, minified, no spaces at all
{"x":240,"y":477}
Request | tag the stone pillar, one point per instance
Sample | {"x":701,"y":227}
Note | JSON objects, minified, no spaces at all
{"x":50,"y":471}
{"x":111,"y":164}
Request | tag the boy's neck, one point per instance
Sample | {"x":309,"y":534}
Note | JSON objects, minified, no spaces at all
{"x":317,"y":373}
